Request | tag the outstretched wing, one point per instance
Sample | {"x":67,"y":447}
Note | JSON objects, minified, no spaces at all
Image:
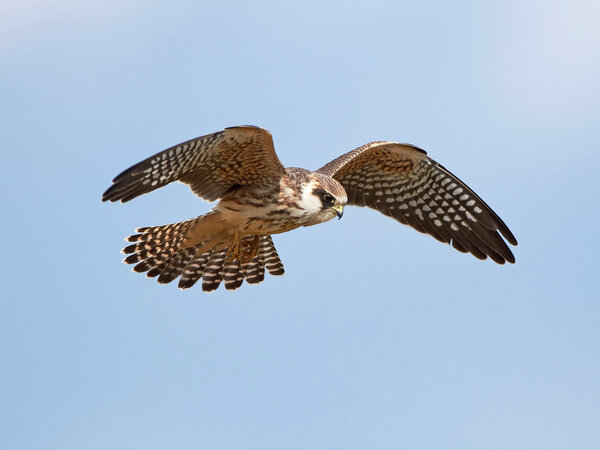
{"x":401,"y":181}
{"x":210,"y":165}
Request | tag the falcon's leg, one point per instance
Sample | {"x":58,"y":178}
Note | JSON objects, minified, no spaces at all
{"x":234,"y":250}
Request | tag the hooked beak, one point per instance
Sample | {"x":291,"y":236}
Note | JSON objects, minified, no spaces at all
{"x":339,"y":210}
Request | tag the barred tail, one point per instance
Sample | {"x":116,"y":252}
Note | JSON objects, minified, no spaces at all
{"x":160,"y":251}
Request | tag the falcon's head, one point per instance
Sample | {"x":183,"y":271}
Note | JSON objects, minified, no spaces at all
{"x":322,"y":198}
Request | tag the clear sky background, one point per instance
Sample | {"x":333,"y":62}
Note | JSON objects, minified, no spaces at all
{"x":377,"y":337}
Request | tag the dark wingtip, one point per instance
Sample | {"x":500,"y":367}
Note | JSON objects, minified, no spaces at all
{"x":511,"y":258}
{"x":111,"y":194}
{"x":129,"y":249}
{"x":106,"y":197}
{"x":155,"y":271}
{"x":510,"y":237}
{"x":132,"y":259}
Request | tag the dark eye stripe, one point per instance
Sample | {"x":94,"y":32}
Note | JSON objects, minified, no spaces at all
{"x":326,"y":198}
{"x":319,"y":192}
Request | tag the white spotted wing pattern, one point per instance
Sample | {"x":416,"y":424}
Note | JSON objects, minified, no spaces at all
{"x":210,"y":165}
{"x":401,"y":181}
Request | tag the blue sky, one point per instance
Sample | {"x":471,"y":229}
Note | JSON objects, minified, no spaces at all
{"x":377,"y":336}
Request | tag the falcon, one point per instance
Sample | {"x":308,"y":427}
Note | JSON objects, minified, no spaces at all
{"x":258,"y":197}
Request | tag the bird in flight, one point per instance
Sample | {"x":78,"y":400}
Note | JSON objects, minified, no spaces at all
{"x":258,"y":197}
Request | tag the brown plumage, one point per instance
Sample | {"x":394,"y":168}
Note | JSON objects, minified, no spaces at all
{"x":258,"y":197}
{"x":400,"y":181}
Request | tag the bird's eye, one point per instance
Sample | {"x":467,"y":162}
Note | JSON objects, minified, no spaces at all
{"x":328,"y":198}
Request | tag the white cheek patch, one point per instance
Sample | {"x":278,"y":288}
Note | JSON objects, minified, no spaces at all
{"x":309,"y":202}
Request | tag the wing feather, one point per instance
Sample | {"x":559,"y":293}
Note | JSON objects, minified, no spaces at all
{"x":211,"y":165}
{"x":401,"y":181}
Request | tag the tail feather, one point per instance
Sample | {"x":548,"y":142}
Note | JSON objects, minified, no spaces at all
{"x":254,"y":270}
{"x":270,"y":257}
{"x":232,"y":275}
{"x":194,"y":270}
{"x":160,"y":252}
{"x":213,"y":273}
{"x":174,"y":267}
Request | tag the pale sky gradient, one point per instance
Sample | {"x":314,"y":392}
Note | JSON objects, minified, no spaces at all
{"x":377,"y":337}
